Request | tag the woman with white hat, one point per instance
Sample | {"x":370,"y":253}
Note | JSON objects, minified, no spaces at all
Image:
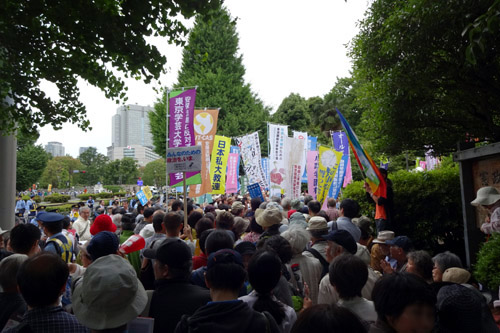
{"x":489,"y":198}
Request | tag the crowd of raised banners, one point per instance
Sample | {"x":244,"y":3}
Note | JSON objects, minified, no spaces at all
{"x":291,"y":162}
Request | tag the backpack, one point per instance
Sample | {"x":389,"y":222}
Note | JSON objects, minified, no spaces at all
{"x":147,"y":274}
{"x":322,"y":260}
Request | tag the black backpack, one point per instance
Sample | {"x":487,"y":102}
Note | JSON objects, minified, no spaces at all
{"x":322,"y":260}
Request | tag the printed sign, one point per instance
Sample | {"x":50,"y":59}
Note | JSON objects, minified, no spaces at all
{"x":142,"y":197}
{"x":184,"y":159}
{"x":255,"y":191}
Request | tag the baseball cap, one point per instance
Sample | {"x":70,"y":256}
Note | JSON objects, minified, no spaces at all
{"x":102,"y":244}
{"x":344,"y":239}
{"x":224,"y":256}
{"x":244,"y":248}
{"x":49,"y":217}
{"x":237,"y":205}
{"x":402,"y":242}
{"x":172,"y":252}
{"x":317,"y":223}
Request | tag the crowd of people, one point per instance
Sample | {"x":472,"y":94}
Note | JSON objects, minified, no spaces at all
{"x":238,"y":265}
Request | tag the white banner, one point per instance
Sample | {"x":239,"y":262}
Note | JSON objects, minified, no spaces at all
{"x":278,"y":153}
{"x":250,"y":155}
{"x":294,"y":165}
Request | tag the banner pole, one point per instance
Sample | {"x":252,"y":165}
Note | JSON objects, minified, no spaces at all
{"x":166,"y":148}
{"x":185,"y":198}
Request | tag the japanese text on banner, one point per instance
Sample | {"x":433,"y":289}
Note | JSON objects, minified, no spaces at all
{"x":329,"y":160}
{"x":218,"y":164}
{"x":250,"y":155}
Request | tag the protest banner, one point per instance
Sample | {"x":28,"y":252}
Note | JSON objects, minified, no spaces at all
{"x":218,"y":164}
{"x":255,"y":191}
{"x":232,"y":172}
{"x":250,"y":155}
{"x":205,"y":127}
{"x":279,"y":176}
{"x":184,"y":159}
{"x":328,"y":162}
{"x":312,"y":173}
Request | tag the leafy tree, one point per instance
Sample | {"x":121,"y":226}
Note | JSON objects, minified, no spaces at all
{"x":64,"y":40}
{"x":211,"y":62}
{"x":94,"y":164}
{"x":417,"y":87}
{"x":155,"y":172}
{"x":31,"y":161}
{"x":59,"y":172}
{"x":122,"y":171}
{"x":294,"y":112}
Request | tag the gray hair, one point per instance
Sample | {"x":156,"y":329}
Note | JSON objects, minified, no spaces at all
{"x":445,"y":260}
{"x":286,"y":203}
{"x":8,"y":270}
{"x":84,"y":208}
{"x":117,"y":219}
{"x":298,"y":238}
{"x":275,"y":199}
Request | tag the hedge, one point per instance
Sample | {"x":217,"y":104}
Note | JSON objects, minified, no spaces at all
{"x":36,"y":198}
{"x":427,"y":208}
{"x":113,"y":188}
{"x":57,"y":198}
{"x":487,"y":268}
{"x":63,"y":209}
{"x":103,"y":195}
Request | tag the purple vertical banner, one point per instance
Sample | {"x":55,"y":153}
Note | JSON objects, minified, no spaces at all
{"x":312,"y":143}
{"x":312,"y":173}
{"x":236,"y":150}
{"x":341,"y":144}
{"x":232,"y":170}
{"x":181,"y":128}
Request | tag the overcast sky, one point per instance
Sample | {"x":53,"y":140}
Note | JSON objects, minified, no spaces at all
{"x":287,"y":46}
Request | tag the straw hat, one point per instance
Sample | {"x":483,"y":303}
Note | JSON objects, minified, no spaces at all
{"x":384,"y":236}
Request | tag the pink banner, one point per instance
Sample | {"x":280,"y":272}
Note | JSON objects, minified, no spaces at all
{"x":348,"y":174}
{"x":296,"y":175}
{"x":312,"y":172}
{"x":232,"y":173}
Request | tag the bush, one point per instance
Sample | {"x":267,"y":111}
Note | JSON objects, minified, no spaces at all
{"x":63,"y":209}
{"x":36,"y":198}
{"x":57,"y":198}
{"x":487,"y":268}
{"x":113,"y":188}
{"x":427,"y":208}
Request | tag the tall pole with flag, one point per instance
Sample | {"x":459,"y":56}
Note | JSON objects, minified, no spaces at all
{"x":369,"y":169}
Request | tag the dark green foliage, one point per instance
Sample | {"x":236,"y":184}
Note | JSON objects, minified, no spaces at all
{"x":36,"y":198}
{"x":154,"y":173}
{"x":113,"y":188}
{"x":57,"y":198}
{"x":62,"y":41}
{"x":94,"y":164}
{"x":416,"y":85}
{"x":103,"y":195}
{"x":211,"y":62}
{"x":427,"y":208}
{"x":31,"y":161}
{"x":62,"y":209}
{"x":487,"y":268}
{"x":294,"y":112}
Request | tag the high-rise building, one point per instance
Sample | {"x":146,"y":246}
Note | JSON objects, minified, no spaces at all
{"x":55,"y":148}
{"x":131,"y":135}
{"x":83,"y":149}
{"x":130,"y":126}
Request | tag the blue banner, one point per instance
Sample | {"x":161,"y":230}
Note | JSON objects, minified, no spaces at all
{"x":236,"y":150}
{"x":341,"y":144}
{"x":142,"y":197}
{"x":265,"y":168}
{"x":255,"y":191}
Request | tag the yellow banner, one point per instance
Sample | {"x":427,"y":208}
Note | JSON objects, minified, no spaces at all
{"x":205,"y":127}
{"x":147,"y":192}
{"x":218,"y":165}
{"x":49,"y":189}
{"x":329,"y":160}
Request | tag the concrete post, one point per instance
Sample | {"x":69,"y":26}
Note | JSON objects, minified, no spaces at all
{"x":7,"y":181}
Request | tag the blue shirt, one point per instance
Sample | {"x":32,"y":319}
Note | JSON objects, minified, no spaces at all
{"x":20,"y":204}
{"x":51,"y":319}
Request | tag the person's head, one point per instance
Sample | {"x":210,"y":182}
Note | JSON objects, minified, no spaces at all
{"x":286,"y":203}
{"x":9,"y":267}
{"x":203,"y":224}
{"x":224,"y":220}
{"x":317,"y":227}
{"x":349,"y":208}
{"x":238,"y":208}
{"x":173,"y":223}
{"x":24,"y":239}
{"x":246,"y":250}
{"x":443,"y":261}
{"x":102,"y":244}
{"x":298,"y":239}
{"x":348,"y":275}
{"x":66,"y":223}
{"x":177,"y":205}
{"x":264,"y":272}
{"x":255,"y":227}
{"x":405,"y":302}
{"x":327,"y":318}
{"x":339,"y":242}
{"x":52,"y":223}
{"x":255,"y":203}
{"x":128,"y":222}
{"x":420,"y":263}
{"x":240,"y":226}
{"x":399,"y":247}
{"x":110,"y":295}
{"x":487,"y":196}
{"x":84,"y":212}
{"x":314,"y":207}
{"x":383,"y":172}
{"x":218,"y":240}
{"x":459,"y":309}
{"x":102,"y":223}
{"x":193,"y":218}
{"x":225,"y":272}
{"x":307,"y":199}
{"x":42,"y":279}
{"x":172,"y":259}
{"x":148,"y":214}
{"x":365,"y":225}
{"x":280,"y":245}
{"x":331,"y":203}
{"x":268,"y":217}
{"x":158,"y":217}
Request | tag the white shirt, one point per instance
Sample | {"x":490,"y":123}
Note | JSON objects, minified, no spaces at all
{"x":360,"y":306}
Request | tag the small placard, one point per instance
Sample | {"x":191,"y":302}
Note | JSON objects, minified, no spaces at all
{"x":184,"y":159}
